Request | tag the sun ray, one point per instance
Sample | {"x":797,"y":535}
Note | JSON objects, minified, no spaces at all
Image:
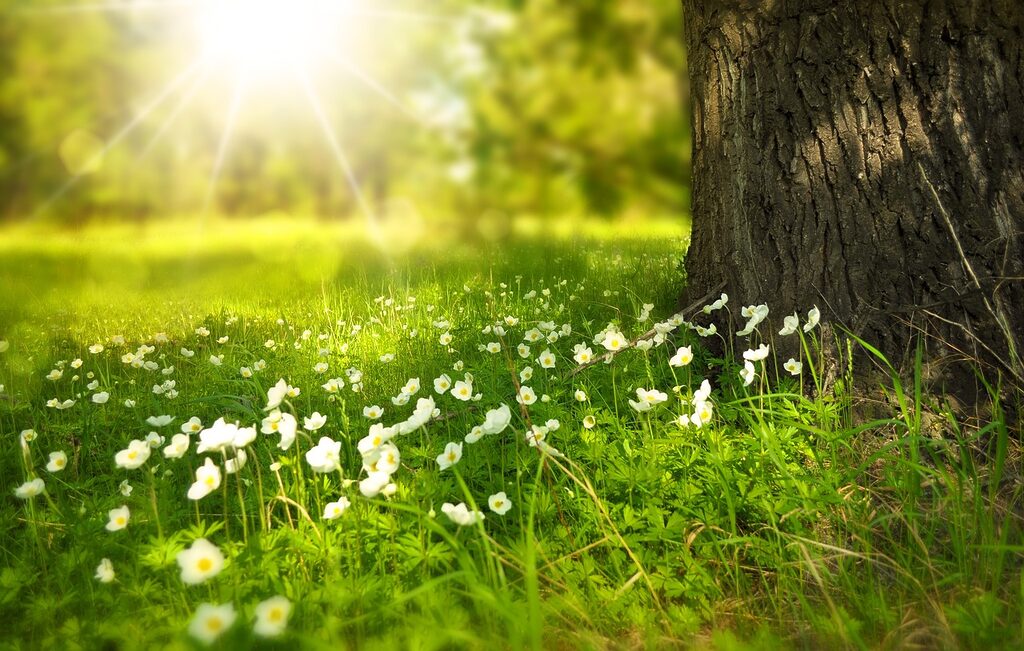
{"x":339,"y":154}
{"x":359,"y":73}
{"x":168,"y":90}
{"x":186,"y":98}
{"x":397,"y":14}
{"x":225,"y":140}
{"x":105,"y":7}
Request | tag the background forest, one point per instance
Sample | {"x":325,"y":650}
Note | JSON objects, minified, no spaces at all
{"x":533,"y":106}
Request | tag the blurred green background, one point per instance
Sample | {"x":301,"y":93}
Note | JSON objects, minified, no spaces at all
{"x":450,"y":109}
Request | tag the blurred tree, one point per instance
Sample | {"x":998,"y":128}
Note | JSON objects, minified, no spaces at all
{"x":866,"y":157}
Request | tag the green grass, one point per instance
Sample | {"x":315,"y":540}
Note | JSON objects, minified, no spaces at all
{"x":790,"y":520}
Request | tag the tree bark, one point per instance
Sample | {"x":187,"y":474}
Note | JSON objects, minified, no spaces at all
{"x":867,"y":157}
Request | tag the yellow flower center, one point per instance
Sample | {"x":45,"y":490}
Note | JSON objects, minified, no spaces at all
{"x":275,"y":615}
{"x":214,"y":624}
{"x":204,"y":565}
{"x":120,"y":521}
{"x":133,"y":454}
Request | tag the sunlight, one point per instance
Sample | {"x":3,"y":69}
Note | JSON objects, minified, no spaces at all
{"x":267,"y":39}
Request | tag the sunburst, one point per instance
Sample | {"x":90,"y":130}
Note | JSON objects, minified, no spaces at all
{"x":253,"y":42}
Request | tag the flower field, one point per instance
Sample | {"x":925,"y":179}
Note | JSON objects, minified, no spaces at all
{"x":288,"y":434}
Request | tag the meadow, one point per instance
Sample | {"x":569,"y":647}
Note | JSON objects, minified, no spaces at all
{"x":292,"y":433}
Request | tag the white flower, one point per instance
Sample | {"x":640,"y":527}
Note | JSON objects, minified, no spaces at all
{"x":813,"y":316}
{"x":748,"y":373}
{"x":210,"y":622}
{"x":647,"y":399}
{"x":314,"y":421}
{"x":373,"y":412}
{"x":387,"y":358}
{"x":118,"y":518}
{"x":474,"y":435}
{"x":105,"y":571}
{"x":682,"y":357}
{"x":222,"y":435}
{"x":494,"y":347}
{"x":583,"y":355}
{"x":178,"y":446}
{"x":703,"y":393}
{"x":400,"y":400}
{"x":55,"y":375}
{"x":30,"y":489}
{"x":374,"y":483}
{"x":233,"y":465}
{"x":580,"y":395}
{"x":58,"y":461}
{"x":614,"y":340}
{"x":755,"y":315}
{"x":159,"y":421}
{"x":325,"y":457}
{"x":463,"y":390}
{"x":125,"y":488}
{"x":388,"y":459}
{"x":789,"y":325}
{"x":202,"y":561}
{"x":451,"y":455}
{"x":334,"y":385}
{"x":321,"y":368}
{"x":460,"y":515}
{"x":133,"y":456}
{"x":192,"y":425}
{"x":272,"y":616}
{"x":794,"y":367}
{"x":276,"y":394}
{"x":546,"y":359}
{"x":526,"y":396}
{"x":756,"y":355}
{"x":499,"y":503}
{"x":589,"y":422}
{"x":333,"y":510}
{"x":702,"y":414}
{"x":207,"y":480}
{"x":717,"y":305}
{"x":442,"y":384}
{"x":154,"y":440}
{"x":216,"y":360}
{"x":101,"y":398}
{"x":496,"y":420}
{"x":526,"y":374}
{"x":411,"y":387}
{"x":523,"y":350}
{"x":185,"y":352}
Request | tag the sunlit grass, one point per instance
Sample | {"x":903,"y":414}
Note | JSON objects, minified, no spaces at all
{"x":789,"y":519}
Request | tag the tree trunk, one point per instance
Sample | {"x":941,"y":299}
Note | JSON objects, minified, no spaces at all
{"x":867,"y":157}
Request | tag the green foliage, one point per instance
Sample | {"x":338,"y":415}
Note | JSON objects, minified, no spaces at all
{"x":787,"y":520}
{"x":538,"y":106}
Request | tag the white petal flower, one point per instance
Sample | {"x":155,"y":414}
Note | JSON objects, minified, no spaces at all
{"x":200,"y":562}
{"x":210,"y":622}
{"x":30,"y":489}
{"x":333,"y":510}
{"x":118,"y":518}
{"x":499,"y":503}
{"x":58,"y":461}
{"x":272,"y":616}
{"x":207,"y":480}
{"x":451,"y":455}
{"x":813,"y":316}
{"x":105,"y":571}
